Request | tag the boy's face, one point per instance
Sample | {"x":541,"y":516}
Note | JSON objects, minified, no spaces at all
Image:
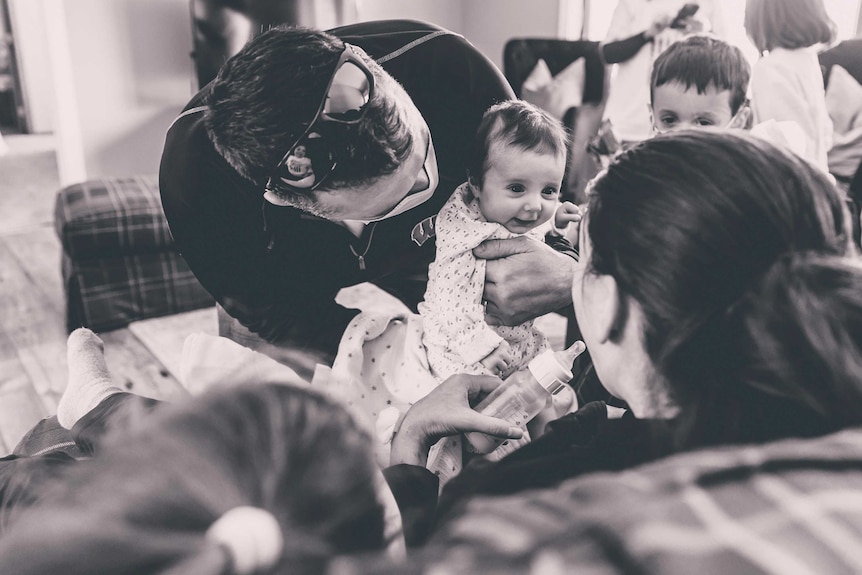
{"x":521,"y":188}
{"x":676,"y":108}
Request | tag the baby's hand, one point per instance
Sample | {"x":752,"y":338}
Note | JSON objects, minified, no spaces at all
{"x":566,"y":213}
{"x":498,"y":360}
{"x":567,"y":219}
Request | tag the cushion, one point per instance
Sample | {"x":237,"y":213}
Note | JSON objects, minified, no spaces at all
{"x":111,"y":216}
{"x":555,"y":94}
{"x":110,"y":292}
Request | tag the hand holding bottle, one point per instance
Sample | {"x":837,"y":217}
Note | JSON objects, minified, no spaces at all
{"x":446,"y":411}
{"x":525,"y":393}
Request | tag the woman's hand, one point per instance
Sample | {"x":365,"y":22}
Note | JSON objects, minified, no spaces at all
{"x":512,"y":293}
{"x":443,"y":412}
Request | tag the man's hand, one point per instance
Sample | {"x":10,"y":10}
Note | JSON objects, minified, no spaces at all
{"x":524,"y":279}
{"x":446,"y":411}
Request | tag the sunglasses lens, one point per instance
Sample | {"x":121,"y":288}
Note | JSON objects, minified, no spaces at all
{"x":349,"y":92}
{"x":309,"y":160}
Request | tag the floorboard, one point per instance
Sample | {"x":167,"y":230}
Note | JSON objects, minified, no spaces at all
{"x":32,"y":325}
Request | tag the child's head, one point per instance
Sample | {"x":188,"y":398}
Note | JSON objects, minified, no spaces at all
{"x":789,"y":24}
{"x":149,"y":499}
{"x":517,"y":165}
{"x":697,"y":82}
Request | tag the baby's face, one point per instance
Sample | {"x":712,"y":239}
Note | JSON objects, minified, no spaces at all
{"x":676,"y":108}
{"x":522,"y":188}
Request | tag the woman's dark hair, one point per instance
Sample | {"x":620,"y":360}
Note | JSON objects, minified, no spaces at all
{"x":515,"y":123}
{"x":787,"y":24}
{"x":688,"y":224}
{"x":264,"y":97}
{"x":145,"y":503}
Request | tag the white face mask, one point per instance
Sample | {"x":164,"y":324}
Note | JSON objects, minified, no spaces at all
{"x":413,"y":199}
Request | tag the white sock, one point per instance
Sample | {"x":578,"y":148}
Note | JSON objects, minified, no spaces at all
{"x":89,"y":381}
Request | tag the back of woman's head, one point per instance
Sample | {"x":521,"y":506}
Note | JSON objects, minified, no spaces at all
{"x":687,"y":223}
{"x":145,"y":504}
{"x":800,"y":342}
{"x":789,"y":24}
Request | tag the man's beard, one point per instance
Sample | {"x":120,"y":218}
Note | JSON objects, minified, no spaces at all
{"x":305,"y":203}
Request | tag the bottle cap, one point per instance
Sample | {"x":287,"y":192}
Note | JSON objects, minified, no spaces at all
{"x":549,"y":372}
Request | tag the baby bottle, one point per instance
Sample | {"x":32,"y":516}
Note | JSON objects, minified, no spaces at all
{"x":525,"y":393}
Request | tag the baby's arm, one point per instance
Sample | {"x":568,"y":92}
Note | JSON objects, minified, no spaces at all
{"x":567,"y":220}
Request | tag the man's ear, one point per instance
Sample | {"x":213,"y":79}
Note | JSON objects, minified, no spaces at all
{"x":607,"y":309}
{"x":742,"y":119}
{"x":651,"y":116}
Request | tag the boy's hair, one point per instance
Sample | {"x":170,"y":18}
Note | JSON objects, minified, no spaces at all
{"x":787,"y":24}
{"x":264,"y":97}
{"x":516,"y":123}
{"x":704,"y":61}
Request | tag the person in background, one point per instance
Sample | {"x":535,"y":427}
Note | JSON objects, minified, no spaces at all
{"x":787,"y":83}
{"x":700,"y":82}
{"x":640,"y":30}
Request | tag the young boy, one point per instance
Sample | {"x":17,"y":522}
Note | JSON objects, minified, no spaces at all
{"x":698,"y":82}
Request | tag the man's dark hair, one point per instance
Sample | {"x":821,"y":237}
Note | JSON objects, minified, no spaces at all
{"x":517,"y":123}
{"x":265,"y":96}
{"x":704,"y":61}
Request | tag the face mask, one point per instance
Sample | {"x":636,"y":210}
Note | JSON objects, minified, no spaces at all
{"x":413,"y":199}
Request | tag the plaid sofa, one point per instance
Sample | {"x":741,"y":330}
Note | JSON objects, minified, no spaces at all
{"x":119,"y":263}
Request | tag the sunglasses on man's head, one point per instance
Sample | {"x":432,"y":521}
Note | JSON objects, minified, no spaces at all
{"x":311,"y":160}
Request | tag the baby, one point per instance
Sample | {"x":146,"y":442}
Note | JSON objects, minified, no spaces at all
{"x":513,"y":189}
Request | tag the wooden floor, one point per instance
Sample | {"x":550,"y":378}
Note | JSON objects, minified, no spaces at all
{"x":32,"y":332}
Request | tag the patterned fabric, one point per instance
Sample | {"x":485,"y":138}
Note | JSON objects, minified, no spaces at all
{"x":793,"y":506}
{"x":119,"y":264}
{"x":456,"y":335}
{"x":111,"y":216}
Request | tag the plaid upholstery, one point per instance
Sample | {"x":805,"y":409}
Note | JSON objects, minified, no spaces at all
{"x":119,"y":264}
{"x":787,"y":507}
{"x":111,"y":216}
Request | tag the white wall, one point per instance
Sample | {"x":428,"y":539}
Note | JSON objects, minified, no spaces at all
{"x":28,"y":29}
{"x":122,"y":72}
{"x":121,"y":69}
{"x":489,"y":24}
{"x":445,"y":13}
